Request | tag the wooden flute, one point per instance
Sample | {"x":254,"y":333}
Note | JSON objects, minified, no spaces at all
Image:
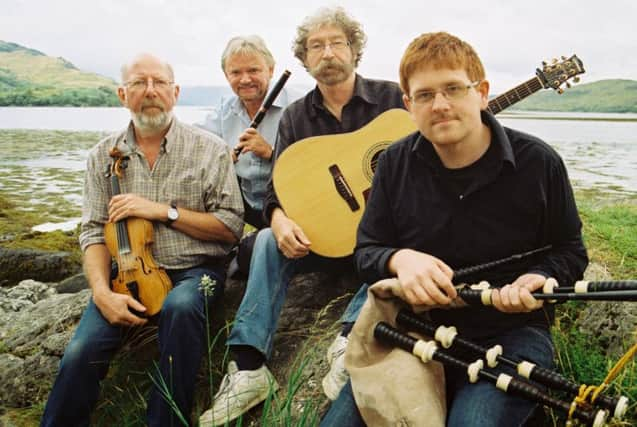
{"x":267,"y":103}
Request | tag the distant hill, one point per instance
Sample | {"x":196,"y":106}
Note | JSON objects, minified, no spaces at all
{"x":603,"y":96}
{"x":29,"y":77}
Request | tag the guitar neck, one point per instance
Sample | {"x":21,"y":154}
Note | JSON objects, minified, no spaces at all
{"x":514,"y":95}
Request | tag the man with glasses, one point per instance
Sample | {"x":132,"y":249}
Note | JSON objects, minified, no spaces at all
{"x":330,"y":46}
{"x":180,"y":178}
{"x":461,"y":191}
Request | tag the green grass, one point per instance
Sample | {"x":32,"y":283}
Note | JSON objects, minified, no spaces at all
{"x":30,"y":78}
{"x":610,"y":233}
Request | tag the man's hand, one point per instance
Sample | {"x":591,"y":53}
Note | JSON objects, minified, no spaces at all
{"x":114,"y":308}
{"x":425,"y":279}
{"x":251,"y":140}
{"x":290,"y":239}
{"x":516,"y":297}
{"x":131,"y":205}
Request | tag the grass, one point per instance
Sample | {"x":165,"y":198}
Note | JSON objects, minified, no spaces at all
{"x":610,"y":233}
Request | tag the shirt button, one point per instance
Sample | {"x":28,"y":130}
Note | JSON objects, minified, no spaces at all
{"x":461,"y":197}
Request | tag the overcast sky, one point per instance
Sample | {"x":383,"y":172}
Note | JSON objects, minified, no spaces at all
{"x":512,"y":38}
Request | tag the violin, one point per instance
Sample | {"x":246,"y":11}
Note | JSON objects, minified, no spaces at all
{"x":129,"y":241}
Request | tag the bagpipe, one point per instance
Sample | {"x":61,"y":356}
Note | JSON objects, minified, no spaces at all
{"x":606,"y":290}
{"x":584,"y":403}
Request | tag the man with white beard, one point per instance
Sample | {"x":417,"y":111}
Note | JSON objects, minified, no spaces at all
{"x":182,"y":180}
{"x":330,"y":45}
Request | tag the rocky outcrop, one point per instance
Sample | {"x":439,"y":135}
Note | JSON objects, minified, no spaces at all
{"x":612,"y":324}
{"x":37,"y":322}
{"x":20,"y":264}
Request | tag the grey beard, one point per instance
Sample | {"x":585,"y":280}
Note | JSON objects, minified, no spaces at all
{"x":157,"y":122}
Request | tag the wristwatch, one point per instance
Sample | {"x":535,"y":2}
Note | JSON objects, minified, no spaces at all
{"x":173,"y":215}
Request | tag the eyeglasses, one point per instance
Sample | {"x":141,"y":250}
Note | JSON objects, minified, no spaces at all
{"x":142,"y":84}
{"x":452,"y":92}
{"x":335,"y":46}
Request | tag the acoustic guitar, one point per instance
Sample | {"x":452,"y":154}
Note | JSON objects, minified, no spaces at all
{"x":322,"y":182}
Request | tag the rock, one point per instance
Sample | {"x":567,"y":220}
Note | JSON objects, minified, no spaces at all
{"x":25,"y":294}
{"x":21,"y":264}
{"x":612,"y":324}
{"x":24,"y":332}
{"x":72,"y":284}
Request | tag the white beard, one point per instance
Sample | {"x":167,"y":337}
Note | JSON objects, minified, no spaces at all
{"x":152,"y":123}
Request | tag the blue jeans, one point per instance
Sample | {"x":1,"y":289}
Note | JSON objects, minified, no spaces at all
{"x":471,"y":405}
{"x":270,"y":274}
{"x":182,"y":342}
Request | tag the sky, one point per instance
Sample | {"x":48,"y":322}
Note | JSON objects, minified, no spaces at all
{"x":512,"y":38}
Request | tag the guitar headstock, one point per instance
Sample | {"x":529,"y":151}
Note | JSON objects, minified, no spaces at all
{"x":556,"y":73}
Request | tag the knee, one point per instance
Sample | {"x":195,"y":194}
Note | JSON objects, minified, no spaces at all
{"x":265,"y":242}
{"x":181,"y":304}
{"x":80,"y":354}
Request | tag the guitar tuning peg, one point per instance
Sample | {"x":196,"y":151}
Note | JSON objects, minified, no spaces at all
{"x":576,"y":79}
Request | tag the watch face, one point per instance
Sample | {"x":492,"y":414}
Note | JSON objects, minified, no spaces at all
{"x":173,"y":214}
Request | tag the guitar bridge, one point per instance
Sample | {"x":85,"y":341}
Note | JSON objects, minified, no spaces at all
{"x":343,"y":188}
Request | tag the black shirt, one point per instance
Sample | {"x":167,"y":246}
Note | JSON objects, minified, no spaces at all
{"x":308,"y":117}
{"x":515,"y":198}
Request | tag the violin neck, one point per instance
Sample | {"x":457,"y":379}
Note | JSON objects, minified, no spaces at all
{"x":123,"y":241}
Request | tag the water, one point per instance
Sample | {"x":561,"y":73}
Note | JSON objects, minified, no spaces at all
{"x":43,"y":166}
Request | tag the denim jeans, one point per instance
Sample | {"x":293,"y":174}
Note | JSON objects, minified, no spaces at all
{"x":182,"y":342}
{"x":270,"y":274}
{"x":471,"y":405}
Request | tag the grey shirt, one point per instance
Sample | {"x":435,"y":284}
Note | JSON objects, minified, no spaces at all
{"x":193,"y":170}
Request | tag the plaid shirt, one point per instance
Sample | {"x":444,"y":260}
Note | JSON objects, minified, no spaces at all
{"x":193,"y":171}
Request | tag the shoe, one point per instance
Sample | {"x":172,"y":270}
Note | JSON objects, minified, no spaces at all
{"x":239,"y":392}
{"x":337,"y":376}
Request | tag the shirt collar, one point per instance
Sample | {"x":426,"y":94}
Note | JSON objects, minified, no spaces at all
{"x":424,"y":147}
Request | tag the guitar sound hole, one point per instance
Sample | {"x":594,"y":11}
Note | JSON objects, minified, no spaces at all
{"x":370,"y":159}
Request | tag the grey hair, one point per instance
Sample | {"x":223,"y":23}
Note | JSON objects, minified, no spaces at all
{"x":330,"y":16}
{"x":243,"y":45}
{"x":125,"y":68}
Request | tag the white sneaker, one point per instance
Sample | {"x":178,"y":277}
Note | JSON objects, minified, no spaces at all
{"x":336,"y":378}
{"x":239,"y":392}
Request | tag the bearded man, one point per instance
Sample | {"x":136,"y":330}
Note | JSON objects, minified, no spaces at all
{"x":182,"y":180}
{"x":330,"y":45}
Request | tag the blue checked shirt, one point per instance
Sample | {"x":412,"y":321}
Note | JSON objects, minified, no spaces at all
{"x":229,"y":121}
